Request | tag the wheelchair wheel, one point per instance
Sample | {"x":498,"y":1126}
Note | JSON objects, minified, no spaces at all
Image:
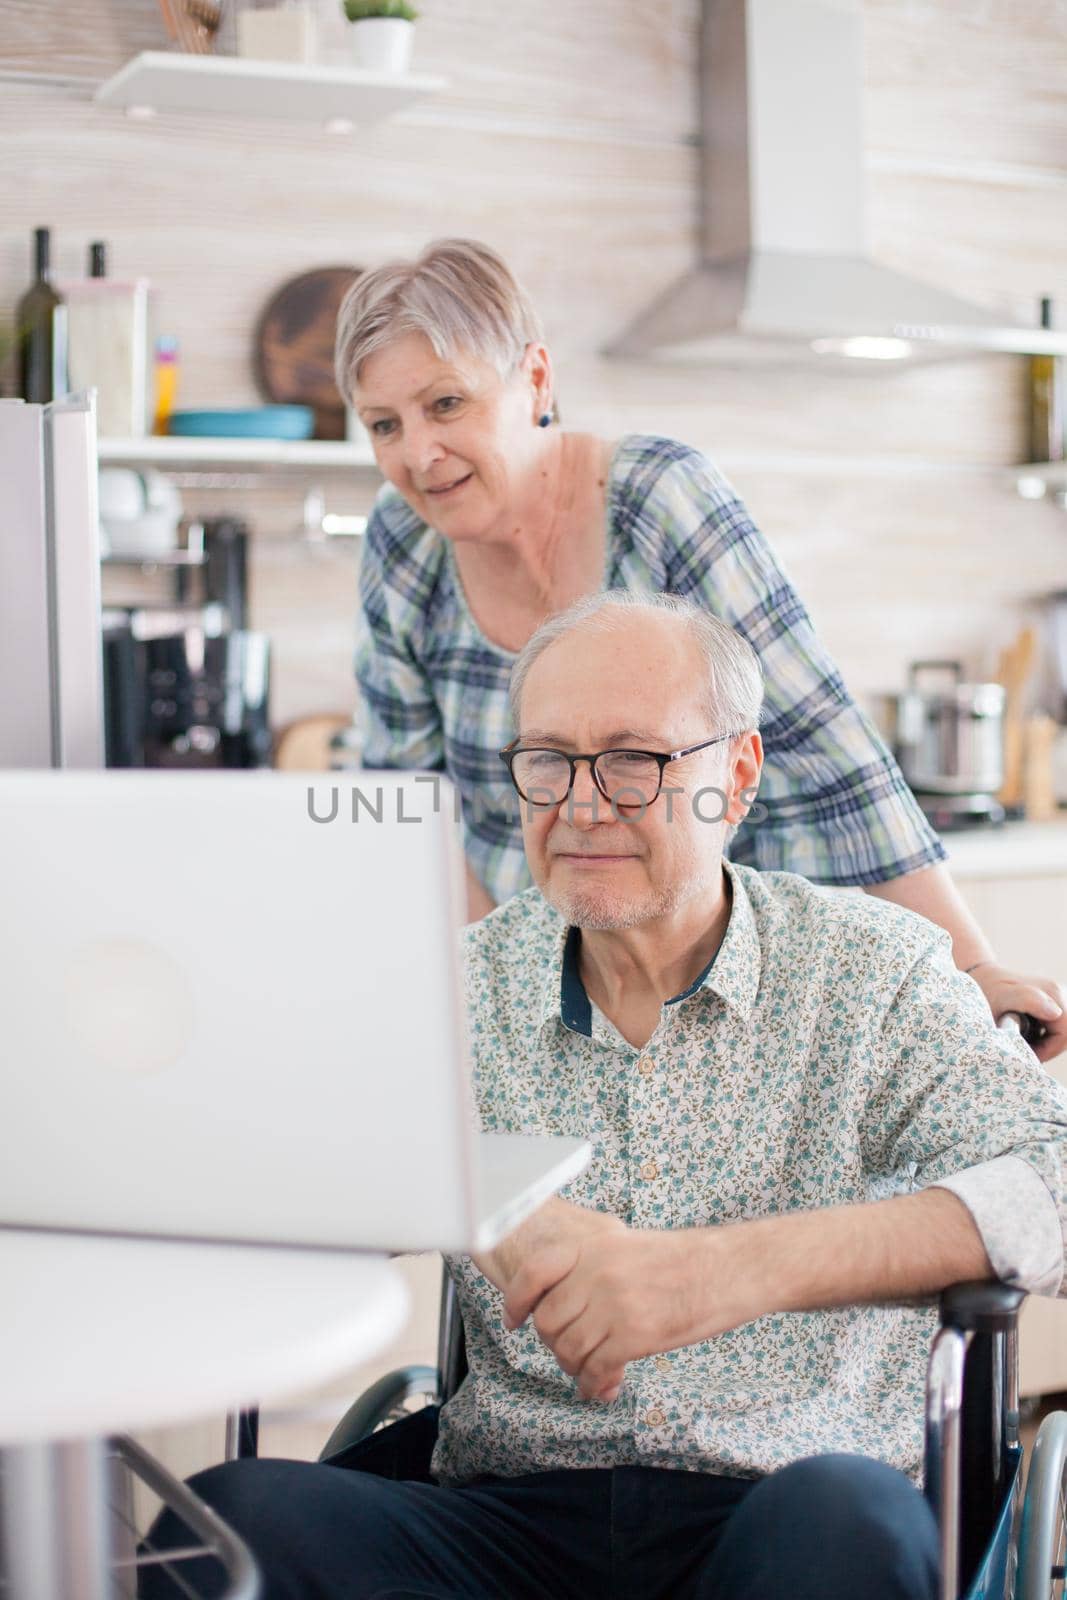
{"x":391,"y":1399}
{"x":1043,"y":1535}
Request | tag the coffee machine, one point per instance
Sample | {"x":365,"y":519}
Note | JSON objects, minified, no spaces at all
{"x":186,"y":682}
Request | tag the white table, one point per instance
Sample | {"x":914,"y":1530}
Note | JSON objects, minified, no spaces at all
{"x":101,"y":1335}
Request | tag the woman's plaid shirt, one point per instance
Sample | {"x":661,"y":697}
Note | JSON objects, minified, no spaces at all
{"x":434,"y":689}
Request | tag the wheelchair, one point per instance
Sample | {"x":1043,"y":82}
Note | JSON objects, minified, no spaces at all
{"x":997,"y":1541}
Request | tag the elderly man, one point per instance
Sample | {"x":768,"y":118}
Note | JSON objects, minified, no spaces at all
{"x":687,"y":1379}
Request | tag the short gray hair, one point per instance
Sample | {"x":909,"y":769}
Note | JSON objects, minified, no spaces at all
{"x":459,"y":293}
{"x":734,"y":684}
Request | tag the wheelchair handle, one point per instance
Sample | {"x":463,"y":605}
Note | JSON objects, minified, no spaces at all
{"x":980,"y":1307}
{"x":1030,"y":1029}
{"x":989,"y":1309}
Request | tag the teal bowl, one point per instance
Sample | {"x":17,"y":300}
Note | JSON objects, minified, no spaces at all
{"x":263,"y":422}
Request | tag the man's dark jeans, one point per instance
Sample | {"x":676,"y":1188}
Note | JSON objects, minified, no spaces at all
{"x":834,"y":1527}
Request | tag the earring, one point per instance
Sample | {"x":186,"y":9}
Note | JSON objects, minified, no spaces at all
{"x":544,"y":419}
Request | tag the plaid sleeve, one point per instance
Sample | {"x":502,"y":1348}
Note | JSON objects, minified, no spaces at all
{"x":838,"y":808}
{"x":399,"y":716}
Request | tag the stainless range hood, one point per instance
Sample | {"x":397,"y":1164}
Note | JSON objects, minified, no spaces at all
{"x":785,"y":275}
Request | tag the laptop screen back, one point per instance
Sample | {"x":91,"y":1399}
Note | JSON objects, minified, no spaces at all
{"x":231,"y":1007}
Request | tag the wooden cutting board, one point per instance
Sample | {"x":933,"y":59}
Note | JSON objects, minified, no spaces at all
{"x":304,"y":745}
{"x":293,"y":345}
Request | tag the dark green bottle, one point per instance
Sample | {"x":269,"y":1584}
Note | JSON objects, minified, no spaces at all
{"x":40,"y":328}
{"x":1046,"y":402}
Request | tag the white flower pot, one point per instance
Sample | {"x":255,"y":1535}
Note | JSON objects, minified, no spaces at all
{"x":382,"y":44}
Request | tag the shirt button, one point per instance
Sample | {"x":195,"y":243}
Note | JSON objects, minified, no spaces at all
{"x":655,"y":1418}
{"x":649,"y":1170}
{"x":646,"y":1066}
{"x":663,"y":1364}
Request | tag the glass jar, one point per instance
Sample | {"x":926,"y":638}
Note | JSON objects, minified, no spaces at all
{"x":277,"y":30}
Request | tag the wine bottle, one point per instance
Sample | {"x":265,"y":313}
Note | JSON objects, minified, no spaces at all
{"x":40,"y":329}
{"x":1046,"y":401}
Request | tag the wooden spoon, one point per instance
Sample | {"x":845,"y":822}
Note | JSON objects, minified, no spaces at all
{"x":1013,"y":670}
{"x":168,"y":20}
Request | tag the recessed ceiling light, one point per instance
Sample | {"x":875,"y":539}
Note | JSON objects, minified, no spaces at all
{"x":864,"y":347}
{"x":343,"y":527}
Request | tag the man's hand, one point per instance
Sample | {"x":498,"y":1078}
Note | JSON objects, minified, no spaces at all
{"x":602,"y":1294}
{"x":603,"y":1298}
{"x":610,"y":1298}
{"x":557,"y":1226}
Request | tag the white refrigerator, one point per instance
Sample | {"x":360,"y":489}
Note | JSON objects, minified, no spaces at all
{"x":54,"y":1543}
{"x":51,"y":645}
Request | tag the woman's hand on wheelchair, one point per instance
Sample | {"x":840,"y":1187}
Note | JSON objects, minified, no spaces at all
{"x":1008,"y":991}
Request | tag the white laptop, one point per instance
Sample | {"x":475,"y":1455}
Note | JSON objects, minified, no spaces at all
{"x":230,"y":1009}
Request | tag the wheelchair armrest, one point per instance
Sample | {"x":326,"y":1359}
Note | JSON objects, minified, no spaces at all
{"x":981,"y":1307}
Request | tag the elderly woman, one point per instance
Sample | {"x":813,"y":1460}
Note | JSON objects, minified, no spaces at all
{"x":491,"y":519}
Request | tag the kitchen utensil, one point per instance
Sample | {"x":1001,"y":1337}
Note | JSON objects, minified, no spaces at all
{"x":169,"y":20}
{"x":191,"y":24}
{"x":261,"y":422}
{"x":1039,"y":793}
{"x":1059,"y":766}
{"x":1058,"y":625}
{"x":947,"y":739}
{"x":1013,"y":670}
{"x":203,"y":17}
{"x":293,"y":345}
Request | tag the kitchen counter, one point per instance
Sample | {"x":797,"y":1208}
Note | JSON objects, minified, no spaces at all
{"x":1013,"y":850}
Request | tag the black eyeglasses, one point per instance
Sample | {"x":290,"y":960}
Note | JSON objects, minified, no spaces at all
{"x":545,"y":777}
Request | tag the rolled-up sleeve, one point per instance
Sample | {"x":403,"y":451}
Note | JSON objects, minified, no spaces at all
{"x":955,"y":1104}
{"x":838,"y":808}
{"x":1016,"y":1215}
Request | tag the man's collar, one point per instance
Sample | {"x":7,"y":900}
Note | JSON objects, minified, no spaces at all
{"x":733,"y":972}
{"x":552,"y":1004}
{"x":575,"y":1007}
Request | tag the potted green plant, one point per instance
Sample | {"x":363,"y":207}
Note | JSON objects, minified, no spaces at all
{"x":382,"y":33}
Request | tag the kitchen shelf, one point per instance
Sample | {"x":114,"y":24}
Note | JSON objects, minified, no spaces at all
{"x":1040,"y":480}
{"x":340,"y":98}
{"x":279,"y":454}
